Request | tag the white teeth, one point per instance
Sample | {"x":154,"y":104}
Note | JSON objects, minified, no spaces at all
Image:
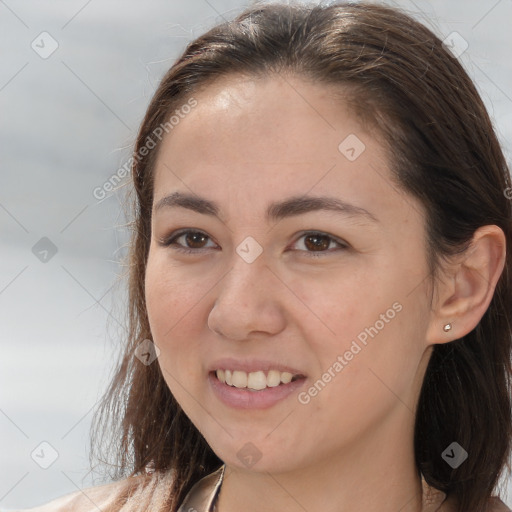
{"x":286,"y":377}
{"x":239,"y":379}
{"x":273,"y":378}
{"x":257,"y":380}
{"x":254,"y":380}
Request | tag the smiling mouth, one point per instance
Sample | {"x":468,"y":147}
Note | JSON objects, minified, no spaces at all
{"x":255,"y":381}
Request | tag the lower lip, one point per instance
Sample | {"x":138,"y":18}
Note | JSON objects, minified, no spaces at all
{"x":243,"y":398}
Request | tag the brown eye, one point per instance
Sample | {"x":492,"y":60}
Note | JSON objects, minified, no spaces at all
{"x":316,"y":243}
{"x":194,"y":240}
{"x":188,"y":241}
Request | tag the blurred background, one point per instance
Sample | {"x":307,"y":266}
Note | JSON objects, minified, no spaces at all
{"x":75,"y":79}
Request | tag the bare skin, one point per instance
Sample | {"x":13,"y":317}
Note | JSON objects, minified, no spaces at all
{"x":249,"y":143}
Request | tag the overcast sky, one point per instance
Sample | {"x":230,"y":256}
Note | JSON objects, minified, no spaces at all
{"x":75,"y":79}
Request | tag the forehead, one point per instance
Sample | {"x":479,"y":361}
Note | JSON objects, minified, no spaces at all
{"x":256,"y":139}
{"x":267,"y":120}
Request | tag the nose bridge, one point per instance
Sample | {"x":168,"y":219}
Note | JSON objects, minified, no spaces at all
{"x":244,"y":281}
{"x":244,"y":301}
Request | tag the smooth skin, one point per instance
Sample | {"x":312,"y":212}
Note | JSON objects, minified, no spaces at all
{"x":250,"y":142}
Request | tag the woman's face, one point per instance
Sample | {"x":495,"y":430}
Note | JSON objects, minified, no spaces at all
{"x":332,"y":294}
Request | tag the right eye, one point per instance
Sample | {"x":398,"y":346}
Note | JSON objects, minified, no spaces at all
{"x":190,"y":241}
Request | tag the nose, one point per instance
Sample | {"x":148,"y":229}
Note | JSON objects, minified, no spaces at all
{"x":248,"y":303}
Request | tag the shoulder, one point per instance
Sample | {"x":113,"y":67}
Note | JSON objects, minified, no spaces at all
{"x":435,"y":500}
{"x":494,"y":505}
{"x":93,"y":498}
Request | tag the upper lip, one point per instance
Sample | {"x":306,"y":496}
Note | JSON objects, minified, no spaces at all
{"x":252,"y":365}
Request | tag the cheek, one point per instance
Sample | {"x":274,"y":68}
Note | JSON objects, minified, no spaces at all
{"x":172,"y":306}
{"x":374,"y":326}
{"x":377,"y":375}
{"x":336,"y":308}
{"x":169,"y":294}
{"x":169,"y":306}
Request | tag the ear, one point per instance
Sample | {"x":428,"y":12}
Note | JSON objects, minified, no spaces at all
{"x":463,"y":298}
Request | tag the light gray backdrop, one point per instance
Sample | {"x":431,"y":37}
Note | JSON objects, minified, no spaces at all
{"x":75,"y":79}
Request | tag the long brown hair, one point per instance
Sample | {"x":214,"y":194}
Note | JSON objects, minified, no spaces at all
{"x":407,"y":86}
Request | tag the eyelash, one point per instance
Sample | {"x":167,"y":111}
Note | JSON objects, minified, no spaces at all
{"x":171,"y":241}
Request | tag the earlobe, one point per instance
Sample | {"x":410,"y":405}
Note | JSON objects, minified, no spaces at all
{"x":465,"y":297}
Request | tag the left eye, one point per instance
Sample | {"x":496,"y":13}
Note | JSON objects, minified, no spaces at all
{"x":320,"y":243}
{"x":314,"y":242}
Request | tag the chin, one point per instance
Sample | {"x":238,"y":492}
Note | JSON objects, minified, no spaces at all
{"x":247,"y":453}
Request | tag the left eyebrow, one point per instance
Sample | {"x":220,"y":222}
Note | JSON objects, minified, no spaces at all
{"x":290,"y":207}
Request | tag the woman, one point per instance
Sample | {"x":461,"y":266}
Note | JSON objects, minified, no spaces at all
{"x":320,"y":277}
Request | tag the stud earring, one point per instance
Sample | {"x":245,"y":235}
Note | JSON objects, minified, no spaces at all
{"x":447,"y":327}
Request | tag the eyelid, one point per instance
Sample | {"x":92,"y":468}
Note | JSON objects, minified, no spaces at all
{"x":333,"y":238}
{"x":171,"y":239}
